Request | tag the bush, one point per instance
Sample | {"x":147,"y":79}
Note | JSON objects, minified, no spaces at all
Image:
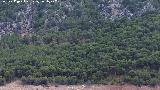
{"x":2,"y":81}
{"x":35,"y":81}
{"x":154,"y":81}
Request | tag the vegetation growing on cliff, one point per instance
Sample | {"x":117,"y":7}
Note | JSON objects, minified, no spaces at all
{"x":78,"y":45}
{"x":112,"y":52}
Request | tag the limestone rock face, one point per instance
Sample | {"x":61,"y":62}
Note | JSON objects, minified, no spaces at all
{"x":56,"y":14}
{"x":125,"y":8}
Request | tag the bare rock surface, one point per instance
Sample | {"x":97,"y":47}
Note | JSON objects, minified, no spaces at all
{"x":18,"y":86}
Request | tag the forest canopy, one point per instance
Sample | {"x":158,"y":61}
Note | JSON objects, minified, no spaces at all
{"x":78,"y":44}
{"x":115,"y":52}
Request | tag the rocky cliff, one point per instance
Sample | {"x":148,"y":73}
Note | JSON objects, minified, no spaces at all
{"x":28,"y":17}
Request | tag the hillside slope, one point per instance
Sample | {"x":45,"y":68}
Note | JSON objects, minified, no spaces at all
{"x":73,"y":42}
{"x":29,"y":17}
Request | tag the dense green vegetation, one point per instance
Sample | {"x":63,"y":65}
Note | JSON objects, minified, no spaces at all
{"x":82,"y":48}
{"x":126,"y":51}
